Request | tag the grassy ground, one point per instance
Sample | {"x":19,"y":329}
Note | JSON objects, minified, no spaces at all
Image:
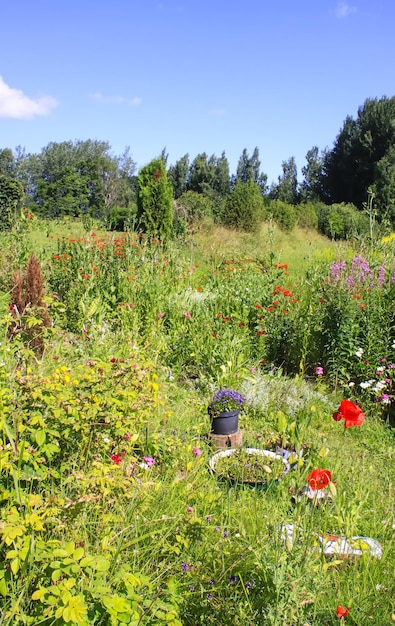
{"x":110,"y":514}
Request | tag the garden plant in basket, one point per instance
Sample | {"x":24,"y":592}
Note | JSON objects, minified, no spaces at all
{"x":224,"y":410}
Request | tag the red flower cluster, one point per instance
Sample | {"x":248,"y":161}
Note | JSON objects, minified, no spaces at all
{"x":319,"y":478}
{"x":350,"y":412}
{"x":341,"y":611}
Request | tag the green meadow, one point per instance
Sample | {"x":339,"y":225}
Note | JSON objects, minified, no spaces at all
{"x":112,"y":347}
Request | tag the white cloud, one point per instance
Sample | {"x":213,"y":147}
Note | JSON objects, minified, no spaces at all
{"x":14,"y":104}
{"x":343,"y":9}
{"x":218,"y":112}
{"x":115,"y":99}
{"x":135,"y":101}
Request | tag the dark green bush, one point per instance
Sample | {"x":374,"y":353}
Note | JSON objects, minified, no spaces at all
{"x":244,"y":207}
{"x":122,"y":218}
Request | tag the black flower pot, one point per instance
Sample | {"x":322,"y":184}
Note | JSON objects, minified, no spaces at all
{"x":225,"y":423}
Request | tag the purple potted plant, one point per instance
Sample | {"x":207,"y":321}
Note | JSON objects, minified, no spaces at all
{"x":224,"y":410}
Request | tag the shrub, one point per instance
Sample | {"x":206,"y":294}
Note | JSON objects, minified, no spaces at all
{"x":306,"y":215}
{"x":244,"y":207}
{"x":283,"y":214}
{"x":155,"y":200}
{"x":122,"y":218}
{"x":341,"y":221}
{"x":195,"y":206}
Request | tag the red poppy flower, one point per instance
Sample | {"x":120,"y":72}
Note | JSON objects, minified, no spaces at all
{"x":319,"y":478}
{"x":341,"y":611}
{"x":350,"y":412}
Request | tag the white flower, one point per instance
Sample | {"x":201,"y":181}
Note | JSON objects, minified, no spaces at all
{"x":359,"y":352}
{"x":351,"y":384}
{"x":366,"y":384}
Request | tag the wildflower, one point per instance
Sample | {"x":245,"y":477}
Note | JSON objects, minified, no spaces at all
{"x":359,"y":353}
{"x":208,"y":518}
{"x":127,"y":436}
{"x":184,"y":567}
{"x":350,"y":412}
{"x":149,"y":460}
{"x":196,"y":451}
{"x":209,"y":596}
{"x":341,"y":611}
{"x":160,"y":315}
{"x":319,"y":478}
{"x":189,"y":509}
{"x":191,"y":587}
{"x":116,"y":459}
{"x":187,"y":314}
{"x":319,"y":370}
{"x":232,"y":579}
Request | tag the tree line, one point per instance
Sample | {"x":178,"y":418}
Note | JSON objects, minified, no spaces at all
{"x":77,"y":178}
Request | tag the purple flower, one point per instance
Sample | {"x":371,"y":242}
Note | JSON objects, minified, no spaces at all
{"x":184,"y":567}
{"x":208,"y":518}
{"x":381,"y":276}
{"x":191,"y":587}
{"x":319,"y":370}
{"x":149,"y":460}
{"x":232,"y":579}
{"x":226,"y":400}
{"x":209,"y":596}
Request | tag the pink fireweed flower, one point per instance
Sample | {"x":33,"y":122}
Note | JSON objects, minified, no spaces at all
{"x":149,"y":460}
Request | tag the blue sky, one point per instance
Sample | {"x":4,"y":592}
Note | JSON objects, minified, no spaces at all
{"x":204,"y":76}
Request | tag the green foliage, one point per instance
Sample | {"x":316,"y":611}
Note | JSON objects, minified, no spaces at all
{"x":351,"y":167}
{"x":248,"y":169}
{"x":197,"y":206}
{"x":285,"y":215}
{"x":244,"y":207}
{"x":341,"y":221}
{"x":122,"y":218}
{"x":306,"y":215}
{"x":154,"y":201}
{"x":286,"y":190}
{"x":178,"y":175}
{"x":11,"y":195}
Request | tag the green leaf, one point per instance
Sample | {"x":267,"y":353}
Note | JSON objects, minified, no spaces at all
{"x":40,"y":437}
{"x":78,"y":553}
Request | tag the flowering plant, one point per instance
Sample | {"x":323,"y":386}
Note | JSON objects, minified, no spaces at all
{"x":350,"y":412}
{"x":225,"y":400}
